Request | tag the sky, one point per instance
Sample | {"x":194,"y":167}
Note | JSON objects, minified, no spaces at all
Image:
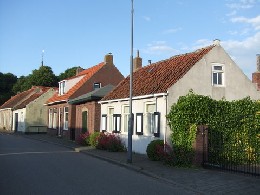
{"x":81,"y":32}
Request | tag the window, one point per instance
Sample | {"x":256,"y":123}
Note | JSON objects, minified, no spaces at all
{"x":126,"y":114}
{"x":104,"y":122}
{"x":62,"y":86}
{"x":54,"y":118}
{"x":149,"y":112}
{"x":117,"y":123}
{"x":110,"y":119}
{"x":50,"y":118}
{"x":66,"y":118}
{"x":97,"y":86}
{"x":217,"y":75}
{"x":139,"y":123}
{"x":156,"y":125}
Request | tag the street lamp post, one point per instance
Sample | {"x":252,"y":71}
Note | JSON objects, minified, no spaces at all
{"x":130,"y":122}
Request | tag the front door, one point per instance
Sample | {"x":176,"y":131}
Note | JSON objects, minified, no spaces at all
{"x":84,"y":121}
{"x":15,"y":122}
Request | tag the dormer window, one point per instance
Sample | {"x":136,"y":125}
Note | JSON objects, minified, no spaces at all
{"x":97,"y":86}
{"x":218,"y":75}
{"x":62,"y":85}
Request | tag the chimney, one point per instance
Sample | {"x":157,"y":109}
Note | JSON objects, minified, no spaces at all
{"x":78,"y":70}
{"x":108,"y":59}
{"x":256,"y":75}
{"x":216,"y":42}
{"x":137,"y":62}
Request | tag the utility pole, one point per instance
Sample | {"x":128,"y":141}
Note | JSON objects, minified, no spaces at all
{"x":130,"y":122}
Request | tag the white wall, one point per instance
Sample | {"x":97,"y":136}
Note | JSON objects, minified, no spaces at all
{"x":21,"y":119}
{"x":139,"y":142}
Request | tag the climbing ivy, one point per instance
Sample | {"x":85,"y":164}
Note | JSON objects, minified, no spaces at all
{"x":235,"y":127}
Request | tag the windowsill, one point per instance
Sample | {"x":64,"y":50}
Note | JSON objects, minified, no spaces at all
{"x":218,"y":86}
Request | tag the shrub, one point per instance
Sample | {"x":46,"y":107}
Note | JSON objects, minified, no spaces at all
{"x":93,"y":139}
{"x":153,"y":149}
{"x":84,"y":139}
{"x":110,"y":142}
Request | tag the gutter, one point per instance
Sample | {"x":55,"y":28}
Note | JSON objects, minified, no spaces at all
{"x":134,"y":98}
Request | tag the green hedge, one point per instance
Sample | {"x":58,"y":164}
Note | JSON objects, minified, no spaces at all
{"x":235,"y":125}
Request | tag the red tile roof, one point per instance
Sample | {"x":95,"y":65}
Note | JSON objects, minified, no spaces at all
{"x":87,"y":74}
{"x":158,"y":77}
{"x":20,"y":100}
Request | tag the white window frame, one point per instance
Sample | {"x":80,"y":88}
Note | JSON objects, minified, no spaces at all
{"x":149,"y":119}
{"x":97,"y":85}
{"x":125,"y":119}
{"x":66,"y":122}
{"x":110,"y":119}
{"x":50,"y":117}
{"x":54,"y":126}
{"x":104,"y":122}
{"x":218,"y":72}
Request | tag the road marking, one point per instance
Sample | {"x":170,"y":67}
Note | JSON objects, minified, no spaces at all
{"x":22,"y":153}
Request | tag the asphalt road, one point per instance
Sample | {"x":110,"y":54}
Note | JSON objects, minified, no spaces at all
{"x":33,"y":167}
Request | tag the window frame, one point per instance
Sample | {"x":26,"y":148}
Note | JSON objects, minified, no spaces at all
{"x":50,"y":118}
{"x":110,"y":119}
{"x":117,"y":123}
{"x":95,"y":84}
{"x":65,"y":123}
{"x":104,"y":122}
{"x":217,"y":73}
{"x":156,"y":126}
{"x":139,"y":124}
{"x":149,"y":117}
{"x":125,"y":115}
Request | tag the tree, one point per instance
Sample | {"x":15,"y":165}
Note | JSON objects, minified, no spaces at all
{"x":7,"y":82}
{"x":44,"y":76}
{"x":70,"y":72}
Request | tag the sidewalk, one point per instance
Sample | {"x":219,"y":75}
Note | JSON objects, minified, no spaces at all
{"x":198,"y":180}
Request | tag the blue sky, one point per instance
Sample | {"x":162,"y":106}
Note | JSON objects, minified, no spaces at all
{"x":81,"y":32}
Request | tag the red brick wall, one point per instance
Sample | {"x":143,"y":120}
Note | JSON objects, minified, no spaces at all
{"x":93,"y":109}
{"x":256,"y":79}
{"x":64,"y":133}
{"x":108,"y":74}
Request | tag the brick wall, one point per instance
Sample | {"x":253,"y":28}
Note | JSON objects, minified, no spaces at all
{"x":256,"y":79}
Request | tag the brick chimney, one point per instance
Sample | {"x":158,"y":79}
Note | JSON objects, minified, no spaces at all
{"x":256,"y":75}
{"x":108,"y":59}
{"x":137,"y":63}
{"x":78,"y":70}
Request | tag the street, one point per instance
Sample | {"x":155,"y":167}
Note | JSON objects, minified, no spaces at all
{"x":29,"y":166}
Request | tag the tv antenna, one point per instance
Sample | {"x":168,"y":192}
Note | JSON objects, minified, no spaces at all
{"x":42,"y":56}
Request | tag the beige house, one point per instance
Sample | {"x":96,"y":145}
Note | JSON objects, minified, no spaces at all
{"x":207,"y":71}
{"x":26,"y":112}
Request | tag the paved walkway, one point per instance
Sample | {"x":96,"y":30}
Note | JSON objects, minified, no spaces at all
{"x":198,"y":180}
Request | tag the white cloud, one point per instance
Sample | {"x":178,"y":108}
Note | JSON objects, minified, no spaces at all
{"x":159,"y":48}
{"x":147,"y":18}
{"x":242,"y":4}
{"x":254,"y":22}
{"x":173,"y":30}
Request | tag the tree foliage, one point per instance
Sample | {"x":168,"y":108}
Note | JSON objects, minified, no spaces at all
{"x":43,"y":76}
{"x":233,"y":124}
{"x":70,"y":72}
{"x":7,"y":82}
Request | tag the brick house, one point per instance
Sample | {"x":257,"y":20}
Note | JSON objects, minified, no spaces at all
{"x":61,"y":114}
{"x":88,"y":110}
{"x":208,"y":71}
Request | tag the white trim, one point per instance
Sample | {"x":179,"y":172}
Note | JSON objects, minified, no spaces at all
{"x":134,"y":98}
{"x":5,"y":109}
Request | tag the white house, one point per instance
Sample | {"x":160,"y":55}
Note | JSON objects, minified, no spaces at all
{"x":207,"y":71}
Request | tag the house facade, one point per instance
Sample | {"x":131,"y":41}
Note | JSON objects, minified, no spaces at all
{"x":88,"y":110}
{"x":62,"y":115}
{"x":25,"y":112}
{"x":30,"y":116}
{"x":207,"y":71}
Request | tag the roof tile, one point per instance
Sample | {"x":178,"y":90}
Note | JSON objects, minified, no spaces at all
{"x":158,"y":77}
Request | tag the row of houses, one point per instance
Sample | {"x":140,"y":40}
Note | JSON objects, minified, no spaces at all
{"x":97,"y":99}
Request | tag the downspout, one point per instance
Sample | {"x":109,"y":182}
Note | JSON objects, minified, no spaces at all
{"x":165,"y":131}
